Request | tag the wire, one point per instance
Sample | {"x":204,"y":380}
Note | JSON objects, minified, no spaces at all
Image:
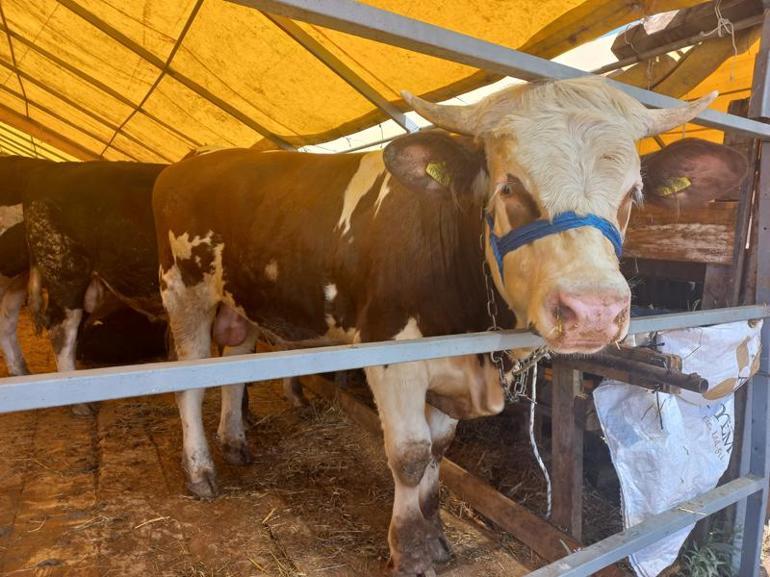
{"x":535,"y":450}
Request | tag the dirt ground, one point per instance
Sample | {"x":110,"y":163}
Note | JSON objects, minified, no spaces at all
{"x":103,"y":496}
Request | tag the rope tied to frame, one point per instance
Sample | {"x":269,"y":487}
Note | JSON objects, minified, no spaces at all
{"x":533,"y":442}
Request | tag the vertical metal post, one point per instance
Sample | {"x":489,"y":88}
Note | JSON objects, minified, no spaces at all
{"x":757,"y":410}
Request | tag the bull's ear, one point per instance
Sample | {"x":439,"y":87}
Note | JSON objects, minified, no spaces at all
{"x":433,"y":161}
{"x":692,"y":172}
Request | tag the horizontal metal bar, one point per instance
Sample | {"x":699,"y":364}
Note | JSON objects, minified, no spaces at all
{"x":671,"y":321}
{"x":27,"y":392}
{"x":55,"y":389}
{"x":590,"y":559}
{"x":314,"y":47}
{"x":383,"y":26}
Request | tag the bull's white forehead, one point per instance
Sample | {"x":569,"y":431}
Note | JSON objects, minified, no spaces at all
{"x":569,"y":160}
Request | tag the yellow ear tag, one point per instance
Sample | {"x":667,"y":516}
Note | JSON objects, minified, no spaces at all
{"x":673,"y":186}
{"x":438,"y":172}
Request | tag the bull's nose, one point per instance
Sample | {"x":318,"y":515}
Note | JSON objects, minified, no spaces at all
{"x":590,"y":314}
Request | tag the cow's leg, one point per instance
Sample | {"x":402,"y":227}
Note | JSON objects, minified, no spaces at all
{"x":14,"y":296}
{"x":292,"y":391}
{"x":442,"y":431}
{"x":63,"y":333}
{"x":191,"y":313}
{"x":231,"y":435}
{"x":399,"y":391}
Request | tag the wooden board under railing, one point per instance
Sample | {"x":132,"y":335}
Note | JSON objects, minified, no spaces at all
{"x":705,"y":235}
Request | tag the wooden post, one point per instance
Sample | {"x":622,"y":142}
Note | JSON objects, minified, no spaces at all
{"x":722,"y":282}
{"x":567,"y":449}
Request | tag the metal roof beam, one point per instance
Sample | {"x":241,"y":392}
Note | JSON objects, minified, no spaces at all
{"x":140,"y":106}
{"x":80,"y":108}
{"x":383,"y":26}
{"x":17,"y":148}
{"x":20,"y":139}
{"x":98,"y":84}
{"x":66,"y":121}
{"x":189,"y":83}
{"x":37,"y":130}
{"x":342,"y":70}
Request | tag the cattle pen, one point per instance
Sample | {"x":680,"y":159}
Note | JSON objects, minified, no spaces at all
{"x":748,"y":490}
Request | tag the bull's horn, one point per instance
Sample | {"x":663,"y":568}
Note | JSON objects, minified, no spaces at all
{"x":457,"y":119}
{"x":663,"y":119}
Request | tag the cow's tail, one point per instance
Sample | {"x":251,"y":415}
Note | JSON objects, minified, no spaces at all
{"x":35,"y":299}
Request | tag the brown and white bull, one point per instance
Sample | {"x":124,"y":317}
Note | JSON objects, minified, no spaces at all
{"x":378,"y":246}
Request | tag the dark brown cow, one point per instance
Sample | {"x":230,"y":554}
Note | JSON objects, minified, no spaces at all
{"x":376,"y":246}
{"x":691,"y":172}
{"x":88,"y":227}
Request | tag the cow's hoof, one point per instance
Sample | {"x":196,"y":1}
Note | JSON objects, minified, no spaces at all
{"x":294,"y":393}
{"x":440,"y":549}
{"x":84,"y":409}
{"x":237,"y":453}
{"x":429,"y":572}
{"x":205,"y":487}
{"x":412,"y":559}
{"x":299,"y":401}
{"x":18,"y":371}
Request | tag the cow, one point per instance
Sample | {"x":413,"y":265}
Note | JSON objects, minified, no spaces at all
{"x":15,"y":278}
{"x":87,"y":232}
{"x":388,"y":245}
{"x":690,"y":173}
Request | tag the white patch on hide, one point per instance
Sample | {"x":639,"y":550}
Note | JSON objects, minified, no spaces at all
{"x":271,"y":270}
{"x":13,"y":297}
{"x":384,"y":191}
{"x":337,"y":333}
{"x":10,"y":215}
{"x":65,"y":357}
{"x":410,"y":331}
{"x":370,"y":168}
{"x":330,"y":292}
{"x":181,"y":246}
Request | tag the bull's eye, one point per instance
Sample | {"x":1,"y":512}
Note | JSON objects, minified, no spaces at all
{"x":509,"y":187}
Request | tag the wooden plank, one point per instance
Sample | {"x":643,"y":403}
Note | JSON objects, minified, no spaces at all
{"x":686,"y":23}
{"x":567,"y":450}
{"x":705,"y":235}
{"x":535,"y":532}
{"x":722,"y":283}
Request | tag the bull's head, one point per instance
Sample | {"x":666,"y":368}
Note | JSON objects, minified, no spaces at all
{"x":557,"y":151}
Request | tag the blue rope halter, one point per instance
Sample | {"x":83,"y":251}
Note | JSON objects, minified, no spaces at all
{"x":518,"y":237}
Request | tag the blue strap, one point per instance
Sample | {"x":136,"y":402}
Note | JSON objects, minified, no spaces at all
{"x":533,"y":231}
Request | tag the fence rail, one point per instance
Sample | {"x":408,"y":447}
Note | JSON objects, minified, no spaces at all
{"x":55,"y":389}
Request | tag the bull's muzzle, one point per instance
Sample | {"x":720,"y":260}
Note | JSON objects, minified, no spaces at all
{"x":585,"y":322}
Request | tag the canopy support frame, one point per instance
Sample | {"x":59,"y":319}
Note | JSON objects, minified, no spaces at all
{"x":189,"y":83}
{"x":390,"y":28}
{"x":296,"y":33}
{"x":37,"y":130}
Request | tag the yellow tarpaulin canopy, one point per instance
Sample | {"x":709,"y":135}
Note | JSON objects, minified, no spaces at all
{"x":150,"y":80}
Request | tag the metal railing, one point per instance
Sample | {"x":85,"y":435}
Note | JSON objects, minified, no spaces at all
{"x":66,"y":388}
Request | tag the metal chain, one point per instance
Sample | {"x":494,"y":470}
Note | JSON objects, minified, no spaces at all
{"x":513,"y":382}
